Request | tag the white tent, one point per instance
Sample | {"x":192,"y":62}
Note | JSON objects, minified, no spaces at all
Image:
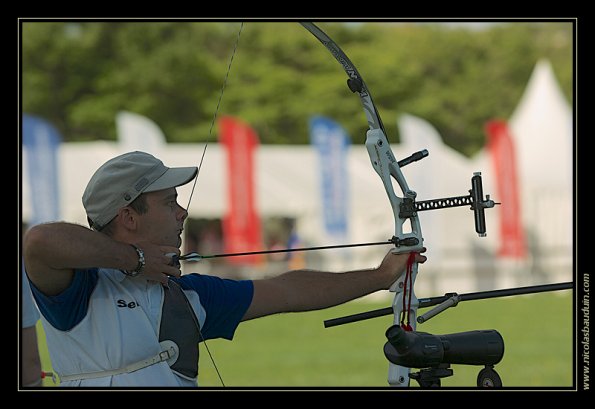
{"x":541,"y":127}
{"x":542,"y":131}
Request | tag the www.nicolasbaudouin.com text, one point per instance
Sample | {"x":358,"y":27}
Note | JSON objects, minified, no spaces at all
{"x":585,"y":331}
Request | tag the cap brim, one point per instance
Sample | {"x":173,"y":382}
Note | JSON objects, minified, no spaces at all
{"x":173,"y":177}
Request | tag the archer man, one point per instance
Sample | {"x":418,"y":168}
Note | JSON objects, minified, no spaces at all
{"x":114,"y":306}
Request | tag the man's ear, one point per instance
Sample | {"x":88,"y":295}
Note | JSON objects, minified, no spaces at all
{"x":127,"y":218}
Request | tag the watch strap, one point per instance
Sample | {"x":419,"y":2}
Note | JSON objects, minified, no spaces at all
{"x":140,"y":265}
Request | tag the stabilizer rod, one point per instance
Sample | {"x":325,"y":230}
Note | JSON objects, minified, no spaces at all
{"x":429,"y":302}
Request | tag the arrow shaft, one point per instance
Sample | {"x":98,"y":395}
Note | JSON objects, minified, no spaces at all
{"x":249,"y":253}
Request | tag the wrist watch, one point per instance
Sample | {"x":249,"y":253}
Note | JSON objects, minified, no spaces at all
{"x":139,"y":266}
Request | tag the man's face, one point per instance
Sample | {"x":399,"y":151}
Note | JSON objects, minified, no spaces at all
{"x":164,"y":221}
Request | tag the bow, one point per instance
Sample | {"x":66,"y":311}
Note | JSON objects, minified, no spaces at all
{"x":421,"y":350}
{"x":383,"y":160}
{"x":407,"y":348}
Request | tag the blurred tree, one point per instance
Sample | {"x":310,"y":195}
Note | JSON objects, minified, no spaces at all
{"x":79,"y":74}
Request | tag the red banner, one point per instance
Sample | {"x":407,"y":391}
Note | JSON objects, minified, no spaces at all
{"x":241,"y":224}
{"x":501,"y":148}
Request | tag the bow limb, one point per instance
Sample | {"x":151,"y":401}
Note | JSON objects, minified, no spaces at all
{"x":386,"y":166}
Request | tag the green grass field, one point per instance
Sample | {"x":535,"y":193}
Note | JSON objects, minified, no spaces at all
{"x":295,"y":350}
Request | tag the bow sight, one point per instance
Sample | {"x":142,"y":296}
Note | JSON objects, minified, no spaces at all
{"x":409,"y":207}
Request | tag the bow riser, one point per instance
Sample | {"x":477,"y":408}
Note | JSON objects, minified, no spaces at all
{"x":384,"y":163}
{"x":386,"y":166}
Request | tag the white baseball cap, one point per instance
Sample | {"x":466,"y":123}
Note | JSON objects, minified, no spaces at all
{"x":122,"y":179}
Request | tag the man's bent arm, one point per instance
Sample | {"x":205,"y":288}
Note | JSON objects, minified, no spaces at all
{"x":53,"y":250}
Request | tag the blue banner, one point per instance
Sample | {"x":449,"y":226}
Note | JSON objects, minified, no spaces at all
{"x":332,"y":143}
{"x":40,"y":142}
